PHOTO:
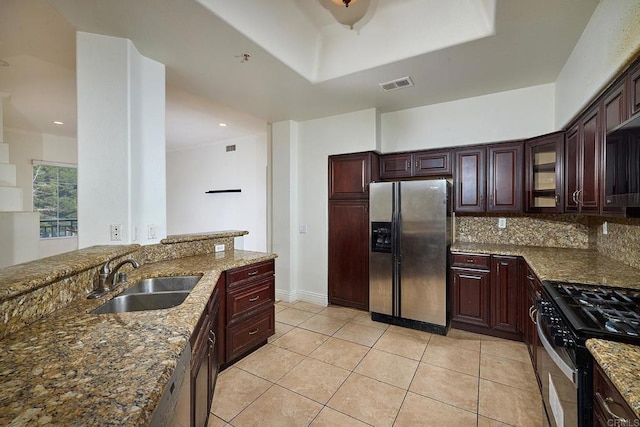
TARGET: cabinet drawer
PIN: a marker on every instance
(241, 274)
(471, 261)
(245, 335)
(607, 400)
(243, 300)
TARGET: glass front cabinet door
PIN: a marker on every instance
(543, 183)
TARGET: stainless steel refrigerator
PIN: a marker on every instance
(410, 236)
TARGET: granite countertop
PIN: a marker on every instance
(621, 363)
(564, 264)
(77, 368)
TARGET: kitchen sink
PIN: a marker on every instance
(163, 284)
(142, 302)
(154, 293)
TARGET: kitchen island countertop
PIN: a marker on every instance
(77, 368)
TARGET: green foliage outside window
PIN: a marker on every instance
(55, 197)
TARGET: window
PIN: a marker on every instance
(55, 197)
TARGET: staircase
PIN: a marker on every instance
(19, 230)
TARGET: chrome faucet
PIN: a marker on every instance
(108, 279)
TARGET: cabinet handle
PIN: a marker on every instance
(471, 261)
(408, 165)
(481, 200)
(605, 404)
(254, 299)
(530, 277)
(573, 197)
(532, 311)
(255, 331)
(253, 273)
(557, 200)
(578, 200)
(491, 199)
(417, 164)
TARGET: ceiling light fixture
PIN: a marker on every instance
(348, 12)
(58, 122)
(222, 125)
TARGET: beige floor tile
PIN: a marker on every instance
(466, 335)
(404, 345)
(279, 407)
(307, 306)
(340, 353)
(281, 329)
(389, 368)
(301, 341)
(359, 334)
(509, 349)
(452, 357)
(279, 307)
(292, 316)
(314, 379)
(344, 313)
(421, 411)
(457, 341)
(284, 303)
(445, 385)
(323, 324)
(411, 332)
(488, 422)
(235, 390)
(368, 400)
(364, 318)
(270, 362)
(331, 418)
(508, 372)
(510, 405)
(214, 422)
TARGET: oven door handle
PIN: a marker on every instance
(567, 370)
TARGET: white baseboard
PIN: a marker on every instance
(312, 297)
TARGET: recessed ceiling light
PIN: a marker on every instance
(58, 122)
(222, 125)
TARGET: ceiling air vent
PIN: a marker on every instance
(231, 147)
(396, 84)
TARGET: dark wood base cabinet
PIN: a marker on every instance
(484, 294)
(609, 407)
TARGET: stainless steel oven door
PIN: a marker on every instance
(559, 378)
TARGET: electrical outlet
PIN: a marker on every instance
(302, 228)
(151, 231)
(115, 232)
(219, 248)
(605, 228)
(502, 222)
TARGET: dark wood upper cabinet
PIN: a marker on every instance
(470, 179)
(633, 89)
(432, 163)
(582, 164)
(395, 166)
(544, 178)
(504, 180)
(614, 110)
(350, 175)
(416, 164)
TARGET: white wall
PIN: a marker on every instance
(515, 114)
(120, 141)
(314, 142)
(610, 40)
(192, 172)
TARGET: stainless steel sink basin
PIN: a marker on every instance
(142, 302)
(163, 284)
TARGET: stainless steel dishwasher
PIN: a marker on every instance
(174, 407)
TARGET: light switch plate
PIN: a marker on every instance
(219, 248)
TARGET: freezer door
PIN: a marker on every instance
(423, 251)
(380, 261)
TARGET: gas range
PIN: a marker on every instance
(568, 315)
(595, 311)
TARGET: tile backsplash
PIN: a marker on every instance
(622, 241)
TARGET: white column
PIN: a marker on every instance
(121, 144)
